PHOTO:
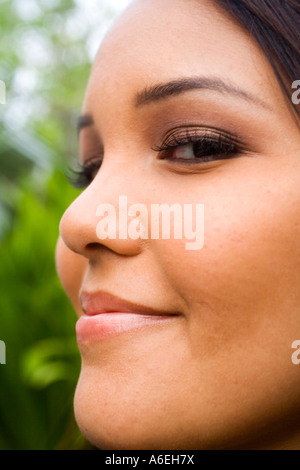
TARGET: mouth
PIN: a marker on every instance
(106, 316)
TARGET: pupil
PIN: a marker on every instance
(206, 149)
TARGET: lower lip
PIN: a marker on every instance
(107, 325)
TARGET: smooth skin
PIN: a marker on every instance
(219, 374)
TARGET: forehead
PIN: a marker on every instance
(156, 41)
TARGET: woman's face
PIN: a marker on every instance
(206, 362)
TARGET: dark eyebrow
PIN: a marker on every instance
(85, 120)
(176, 87)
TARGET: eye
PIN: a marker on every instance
(82, 177)
(195, 146)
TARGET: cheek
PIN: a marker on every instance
(247, 274)
(71, 269)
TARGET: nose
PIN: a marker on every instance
(91, 223)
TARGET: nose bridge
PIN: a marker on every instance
(94, 218)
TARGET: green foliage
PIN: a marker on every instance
(45, 63)
(37, 325)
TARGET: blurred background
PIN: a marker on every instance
(46, 51)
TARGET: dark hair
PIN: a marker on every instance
(275, 25)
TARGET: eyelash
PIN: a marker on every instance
(83, 176)
(214, 145)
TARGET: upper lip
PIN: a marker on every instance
(96, 303)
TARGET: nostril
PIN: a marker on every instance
(93, 246)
